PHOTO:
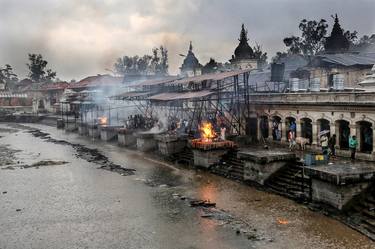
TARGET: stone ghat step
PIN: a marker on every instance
(285, 187)
(290, 193)
(185, 156)
(289, 181)
(364, 208)
(295, 177)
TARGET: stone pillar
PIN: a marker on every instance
(353, 132)
(315, 132)
(270, 128)
(298, 128)
(373, 140)
(283, 132)
(259, 132)
(358, 135)
(337, 132)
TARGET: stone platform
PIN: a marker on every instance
(207, 158)
(82, 129)
(70, 125)
(93, 130)
(260, 164)
(170, 144)
(109, 132)
(60, 123)
(146, 141)
(126, 137)
(340, 182)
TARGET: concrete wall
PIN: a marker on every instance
(259, 173)
(355, 108)
(352, 75)
(334, 195)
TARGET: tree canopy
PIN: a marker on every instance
(37, 69)
(260, 56)
(313, 37)
(155, 64)
(8, 77)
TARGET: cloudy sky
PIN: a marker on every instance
(83, 37)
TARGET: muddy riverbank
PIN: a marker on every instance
(77, 205)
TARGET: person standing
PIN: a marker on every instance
(332, 145)
(324, 144)
(291, 140)
(353, 143)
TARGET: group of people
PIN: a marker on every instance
(138, 121)
(329, 145)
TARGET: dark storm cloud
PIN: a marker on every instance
(83, 37)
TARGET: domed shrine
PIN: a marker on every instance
(244, 56)
(191, 66)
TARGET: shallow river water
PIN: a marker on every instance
(78, 205)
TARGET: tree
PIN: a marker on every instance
(163, 61)
(312, 38)
(37, 68)
(8, 77)
(156, 64)
(211, 67)
(260, 56)
(366, 43)
(279, 56)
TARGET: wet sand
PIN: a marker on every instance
(77, 205)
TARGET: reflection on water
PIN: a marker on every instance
(78, 206)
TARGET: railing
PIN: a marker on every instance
(367, 98)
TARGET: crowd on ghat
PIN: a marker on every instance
(173, 125)
(138, 121)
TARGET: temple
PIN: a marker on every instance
(191, 66)
(244, 57)
(337, 42)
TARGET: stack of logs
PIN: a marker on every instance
(211, 145)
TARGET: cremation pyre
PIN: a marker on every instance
(209, 139)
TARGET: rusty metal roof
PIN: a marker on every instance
(169, 96)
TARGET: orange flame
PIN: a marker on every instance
(282, 221)
(207, 132)
(103, 120)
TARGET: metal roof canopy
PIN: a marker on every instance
(129, 95)
(214, 76)
(153, 82)
(349, 59)
(170, 96)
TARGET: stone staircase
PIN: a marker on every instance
(184, 157)
(362, 213)
(230, 166)
(291, 182)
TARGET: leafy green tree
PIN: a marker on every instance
(260, 56)
(157, 63)
(365, 43)
(311, 40)
(37, 69)
(8, 77)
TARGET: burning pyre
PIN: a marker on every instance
(209, 140)
(103, 120)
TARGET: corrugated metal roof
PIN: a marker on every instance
(348, 59)
(97, 81)
(214, 76)
(129, 95)
(152, 82)
(180, 95)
